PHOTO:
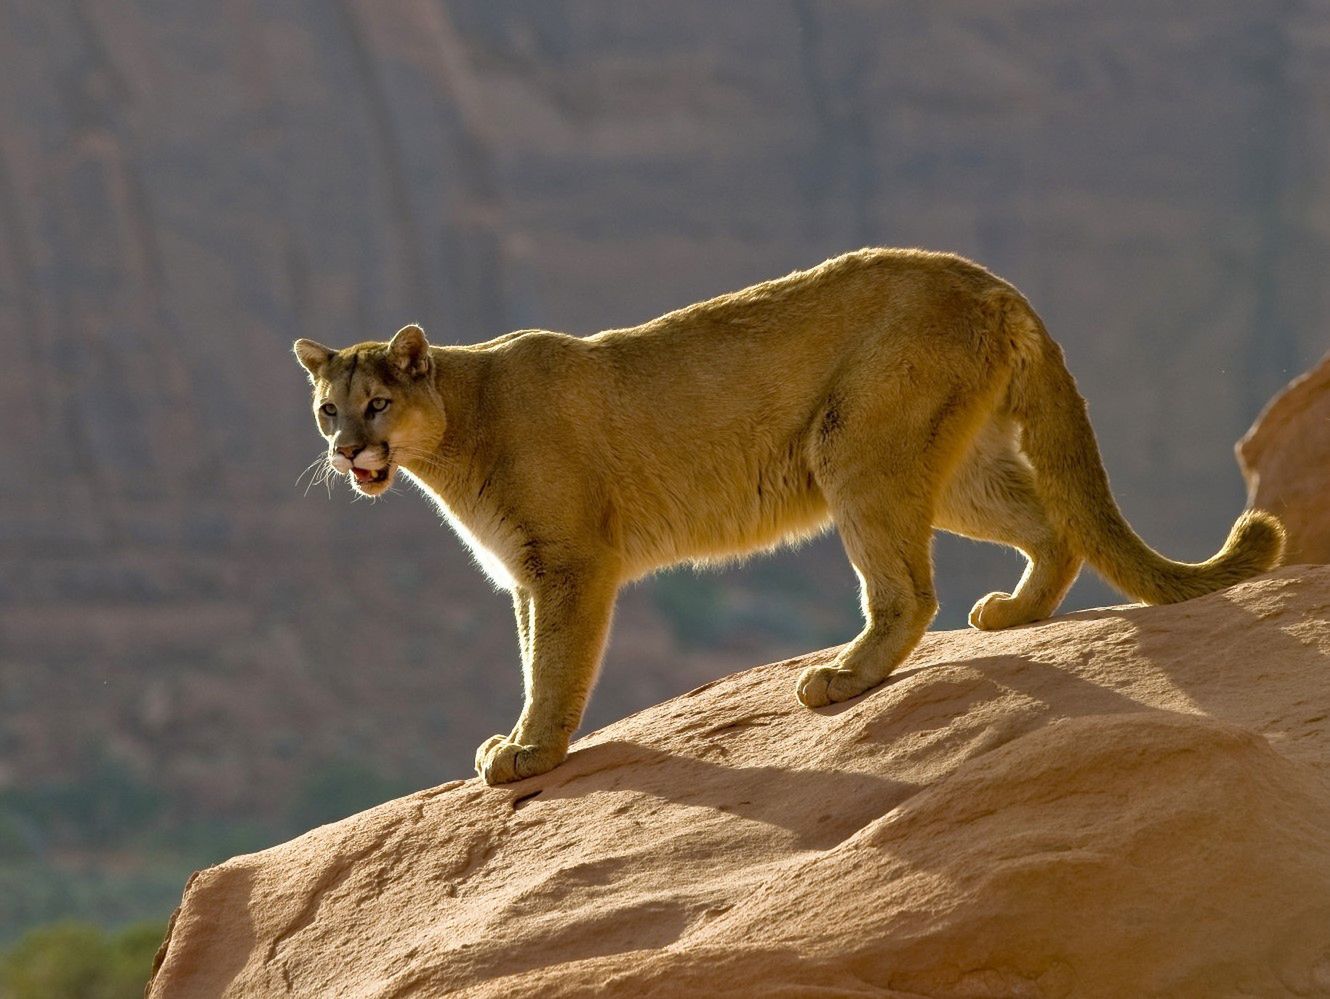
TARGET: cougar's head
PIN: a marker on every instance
(376, 405)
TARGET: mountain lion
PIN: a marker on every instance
(886, 392)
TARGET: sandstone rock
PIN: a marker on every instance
(1285, 458)
(1120, 802)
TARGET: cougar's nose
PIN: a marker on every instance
(349, 451)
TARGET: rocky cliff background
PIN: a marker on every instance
(185, 667)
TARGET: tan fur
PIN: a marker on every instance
(885, 391)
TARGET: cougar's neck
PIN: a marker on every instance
(456, 465)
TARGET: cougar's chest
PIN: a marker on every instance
(484, 536)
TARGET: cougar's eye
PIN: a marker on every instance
(328, 409)
(378, 404)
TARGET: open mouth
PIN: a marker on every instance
(368, 477)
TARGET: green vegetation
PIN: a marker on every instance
(104, 804)
(340, 788)
(105, 847)
(694, 606)
(72, 960)
(102, 845)
(110, 892)
(773, 598)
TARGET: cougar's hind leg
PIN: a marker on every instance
(878, 468)
(992, 497)
(888, 540)
(880, 452)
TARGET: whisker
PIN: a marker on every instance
(327, 479)
(315, 478)
(321, 473)
(311, 467)
(321, 478)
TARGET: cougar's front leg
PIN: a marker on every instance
(563, 619)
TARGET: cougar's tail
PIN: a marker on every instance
(1057, 438)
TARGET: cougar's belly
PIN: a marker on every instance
(716, 512)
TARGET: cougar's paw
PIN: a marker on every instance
(823, 685)
(483, 749)
(998, 610)
(499, 760)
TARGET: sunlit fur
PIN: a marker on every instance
(886, 391)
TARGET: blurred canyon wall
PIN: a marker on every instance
(186, 187)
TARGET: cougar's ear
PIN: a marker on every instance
(313, 356)
(409, 350)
